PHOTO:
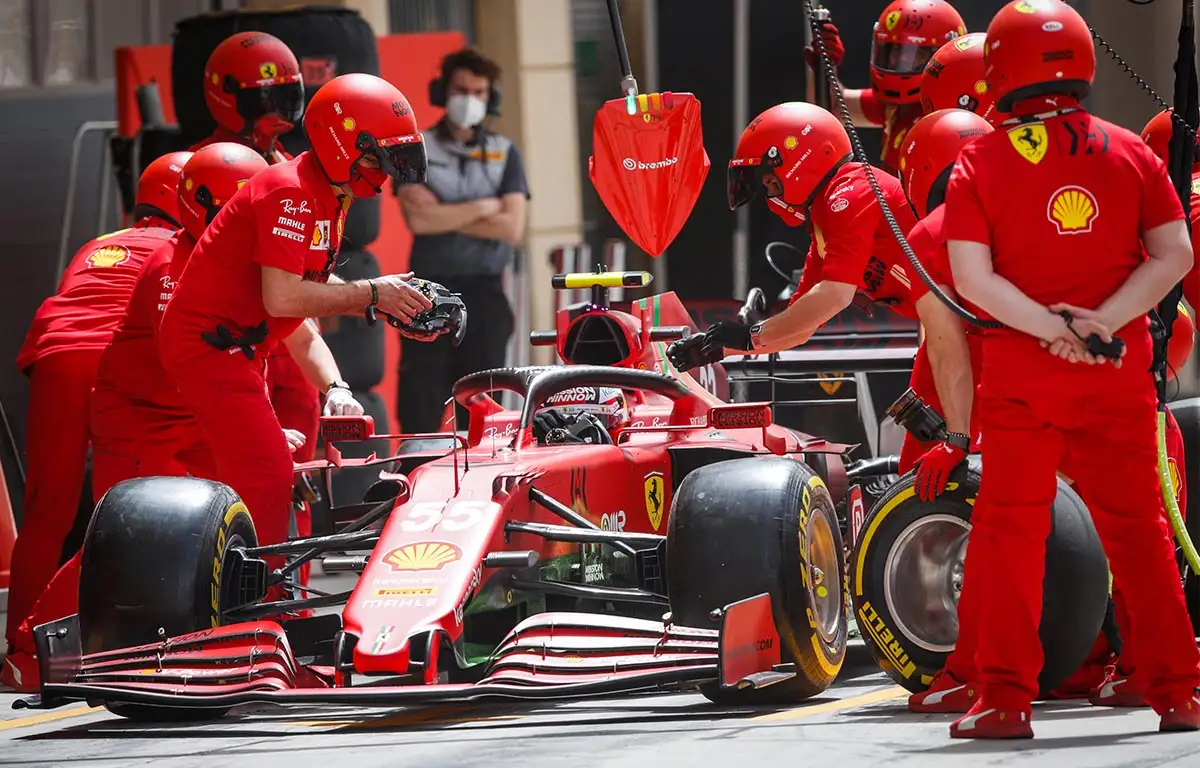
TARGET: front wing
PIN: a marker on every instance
(548, 656)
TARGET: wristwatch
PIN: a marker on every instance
(959, 440)
(756, 335)
(339, 384)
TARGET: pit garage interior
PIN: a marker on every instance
(62, 102)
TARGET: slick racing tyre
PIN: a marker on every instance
(743, 527)
(155, 555)
(906, 576)
(1187, 413)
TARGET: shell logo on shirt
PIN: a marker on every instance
(320, 235)
(1176, 484)
(1073, 209)
(108, 256)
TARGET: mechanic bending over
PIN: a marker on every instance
(254, 91)
(467, 216)
(798, 156)
(1092, 203)
(264, 265)
(60, 355)
(139, 426)
(905, 37)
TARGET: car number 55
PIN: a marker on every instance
(426, 515)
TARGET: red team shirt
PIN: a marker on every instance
(286, 217)
(130, 367)
(1088, 189)
(896, 119)
(853, 243)
(1191, 283)
(93, 293)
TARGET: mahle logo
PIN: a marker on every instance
(633, 165)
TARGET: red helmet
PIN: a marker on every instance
(930, 148)
(357, 116)
(252, 86)
(158, 187)
(1183, 340)
(1036, 48)
(953, 78)
(213, 175)
(907, 35)
(788, 152)
(1157, 135)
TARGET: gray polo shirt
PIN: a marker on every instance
(459, 173)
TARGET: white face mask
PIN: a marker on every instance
(466, 111)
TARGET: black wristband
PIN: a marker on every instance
(959, 440)
(374, 293)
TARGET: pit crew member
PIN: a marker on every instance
(254, 91)
(264, 265)
(60, 355)
(798, 156)
(954, 79)
(1157, 135)
(139, 427)
(904, 39)
(1091, 194)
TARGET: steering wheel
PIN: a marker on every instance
(777, 244)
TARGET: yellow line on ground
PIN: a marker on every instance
(875, 697)
(47, 717)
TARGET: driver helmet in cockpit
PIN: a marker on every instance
(581, 415)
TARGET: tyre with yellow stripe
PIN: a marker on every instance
(906, 576)
(155, 555)
(743, 527)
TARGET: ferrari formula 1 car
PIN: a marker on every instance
(698, 545)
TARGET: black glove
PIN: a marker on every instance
(547, 421)
(709, 347)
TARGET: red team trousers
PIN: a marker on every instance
(57, 447)
(1080, 418)
(227, 392)
(297, 405)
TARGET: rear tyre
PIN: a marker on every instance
(742, 527)
(906, 576)
(155, 557)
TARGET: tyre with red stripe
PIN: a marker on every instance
(906, 575)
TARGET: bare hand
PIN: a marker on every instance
(489, 206)
(1084, 323)
(398, 298)
(295, 439)
(419, 194)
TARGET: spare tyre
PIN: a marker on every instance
(328, 41)
(906, 575)
(742, 527)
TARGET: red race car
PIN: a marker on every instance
(693, 542)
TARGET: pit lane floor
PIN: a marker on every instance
(861, 721)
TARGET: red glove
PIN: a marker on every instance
(934, 468)
(833, 46)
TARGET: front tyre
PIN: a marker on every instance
(742, 527)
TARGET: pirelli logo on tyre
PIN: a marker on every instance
(889, 647)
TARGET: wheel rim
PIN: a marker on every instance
(825, 594)
(923, 578)
(228, 588)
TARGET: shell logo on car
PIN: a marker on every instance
(422, 556)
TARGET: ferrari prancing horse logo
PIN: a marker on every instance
(1030, 141)
(654, 498)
